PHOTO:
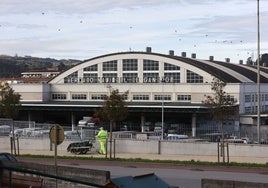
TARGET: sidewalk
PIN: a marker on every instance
(260, 160)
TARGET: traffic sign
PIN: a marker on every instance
(56, 134)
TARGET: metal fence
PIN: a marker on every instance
(207, 130)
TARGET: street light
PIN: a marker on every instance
(258, 74)
(162, 130)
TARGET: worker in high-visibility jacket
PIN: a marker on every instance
(102, 137)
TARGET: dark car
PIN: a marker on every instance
(7, 157)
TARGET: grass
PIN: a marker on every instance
(140, 160)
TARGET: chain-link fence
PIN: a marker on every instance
(204, 130)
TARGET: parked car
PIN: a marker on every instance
(176, 136)
(7, 157)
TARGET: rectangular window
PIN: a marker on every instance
(79, 96)
(110, 78)
(58, 96)
(141, 97)
(247, 98)
(151, 78)
(109, 66)
(266, 97)
(171, 77)
(184, 97)
(162, 97)
(130, 64)
(150, 65)
(248, 110)
(90, 78)
(130, 78)
(98, 97)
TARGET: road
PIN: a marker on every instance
(182, 176)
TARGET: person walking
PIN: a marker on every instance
(102, 137)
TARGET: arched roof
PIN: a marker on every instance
(225, 71)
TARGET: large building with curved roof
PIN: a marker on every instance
(156, 83)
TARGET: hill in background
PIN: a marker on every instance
(13, 66)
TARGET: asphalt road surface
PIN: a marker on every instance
(182, 176)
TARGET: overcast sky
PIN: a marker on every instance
(83, 29)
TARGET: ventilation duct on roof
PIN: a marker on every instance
(211, 58)
(193, 55)
(171, 52)
(227, 60)
(240, 62)
(183, 54)
(148, 49)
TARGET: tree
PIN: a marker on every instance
(9, 106)
(114, 109)
(9, 101)
(221, 106)
(264, 60)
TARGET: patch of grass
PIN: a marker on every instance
(157, 161)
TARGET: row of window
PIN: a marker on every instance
(150, 75)
(254, 98)
(62, 96)
(254, 109)
(131, 65)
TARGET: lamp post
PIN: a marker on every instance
(258, 74)
(162, 129)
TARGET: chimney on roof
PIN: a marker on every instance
(227, 60)
(240, 62)
(193, 55)
(171, 52)
(183, 54)
(148, 49)
(211, 58)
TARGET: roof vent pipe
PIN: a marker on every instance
(240, 62)
(183, 54)
(211, 58)
(171, 52)
(148, 49)
(227, 60)
(193, 55)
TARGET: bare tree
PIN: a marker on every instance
(221, 106)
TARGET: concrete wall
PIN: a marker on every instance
(91, 176)
(152, 147)
(212, 183)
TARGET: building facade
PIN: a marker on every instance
(160, 87)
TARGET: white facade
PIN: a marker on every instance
(150, 79)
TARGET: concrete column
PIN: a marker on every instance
(193, 125)
(73, 121)
(29, 118)
(142, 122)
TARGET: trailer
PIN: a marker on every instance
(80, 147)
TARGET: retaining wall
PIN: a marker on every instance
(151, 147)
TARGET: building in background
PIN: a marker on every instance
(156, 83)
